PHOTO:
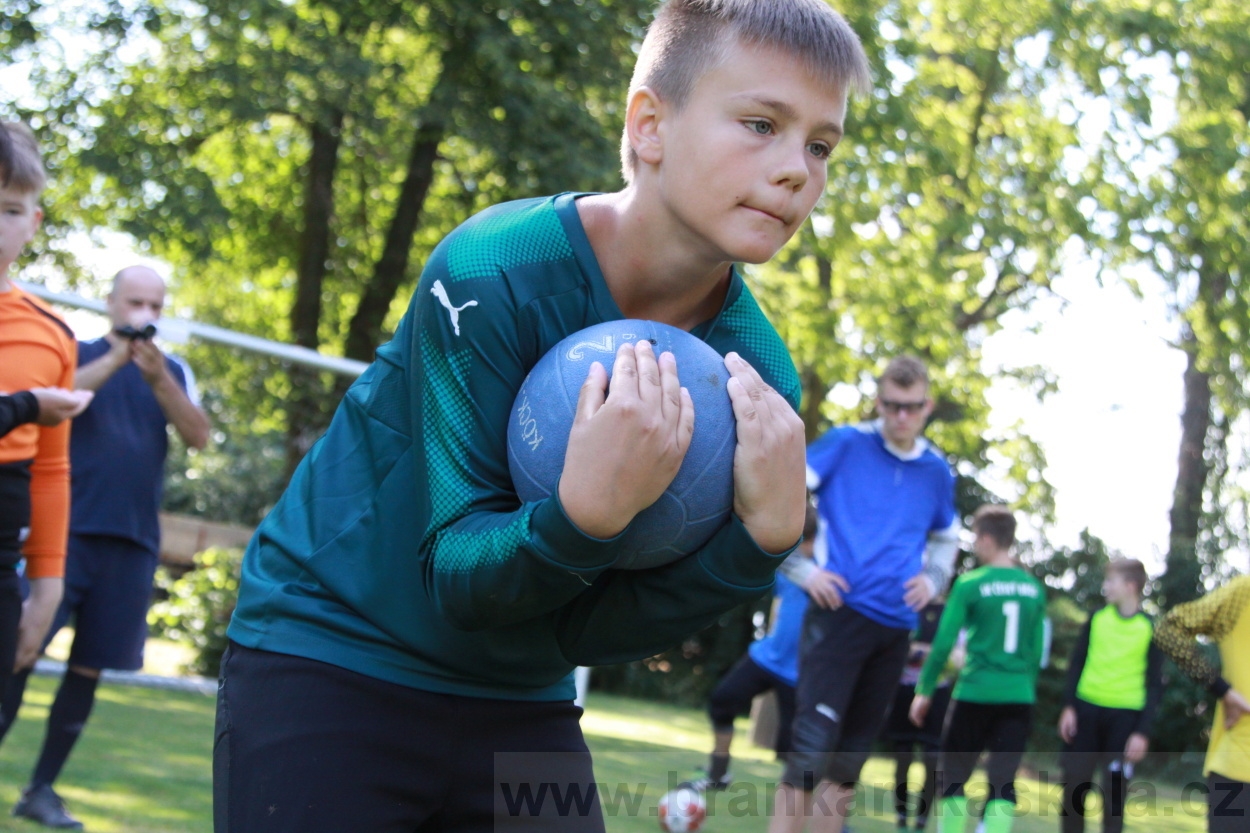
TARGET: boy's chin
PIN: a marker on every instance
(756, 255)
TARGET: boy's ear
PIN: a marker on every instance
(642, 125)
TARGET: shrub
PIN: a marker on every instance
(199, 605)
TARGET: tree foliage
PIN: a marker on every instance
(291, 159)
(1177, 201)
(954, 200)
(297, 160)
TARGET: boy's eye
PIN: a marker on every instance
(760, 126)
(820, 150)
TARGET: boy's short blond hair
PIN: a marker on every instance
(1131, 570)
(689, 37)
(21, 167)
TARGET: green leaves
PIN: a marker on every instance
(953, 201)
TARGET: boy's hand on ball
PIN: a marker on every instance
(627, 443)
(770, 462)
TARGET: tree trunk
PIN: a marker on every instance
(365, 329)
(1182, 580)
(305, 410)
(815, 389)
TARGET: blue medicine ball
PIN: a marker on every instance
(699, 499)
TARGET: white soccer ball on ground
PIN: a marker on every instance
(682, 810)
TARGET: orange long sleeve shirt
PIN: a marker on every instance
(37, 349)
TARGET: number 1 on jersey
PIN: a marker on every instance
(1011, 634)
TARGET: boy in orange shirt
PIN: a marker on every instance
(37, 350)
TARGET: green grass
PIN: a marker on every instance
(144, 766)
(647, 747)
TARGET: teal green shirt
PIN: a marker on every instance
(1003, 610)
(400, 549)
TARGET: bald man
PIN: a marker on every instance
(117, 459)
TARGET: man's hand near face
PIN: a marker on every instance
(150, 361)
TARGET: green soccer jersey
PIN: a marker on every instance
(1003, 610)
(400, 549)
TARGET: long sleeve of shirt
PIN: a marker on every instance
(954, 615)
(17, 409)
(49, 501)
(940, 553)
(1213, 616)
(492, 563)
(1154, 691)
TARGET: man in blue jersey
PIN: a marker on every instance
(117, 451)
(403, 646)
(886, 540)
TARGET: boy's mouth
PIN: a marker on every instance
(768, 214)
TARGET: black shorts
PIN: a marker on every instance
(1101, 735)
(306, 747)
(10, 619)
(1002, 729)
(736, 690)
(14, 510)
(108, 590)
(849, 667)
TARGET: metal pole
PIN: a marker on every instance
(178, 329)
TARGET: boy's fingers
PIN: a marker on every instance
(670, 388)
(649, 385)
(752, 383)
(624, 373)
(685, 420)
(745, 414)
(593, 392)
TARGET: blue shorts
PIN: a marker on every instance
(108, 588)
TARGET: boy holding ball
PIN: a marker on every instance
(406, 631)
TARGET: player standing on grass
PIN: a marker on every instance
(904, 737)
(1115, 683)
(406, 631)
(118, 453)
(37, 350)
(1003, 609)
(1224, 616)
(886, 540)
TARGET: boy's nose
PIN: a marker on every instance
(792, 168)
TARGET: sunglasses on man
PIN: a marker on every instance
(894, 407)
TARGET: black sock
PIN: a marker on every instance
(720, 766)
(66, 720)
(11, 702)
